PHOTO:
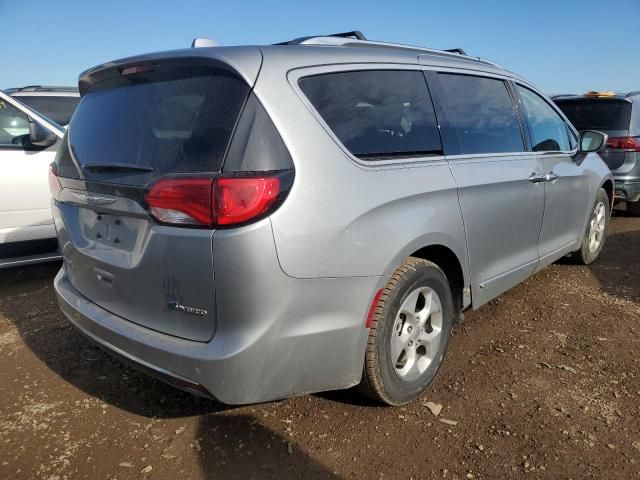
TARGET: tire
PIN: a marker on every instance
(633, 209)
(593, 240)
(396, 381)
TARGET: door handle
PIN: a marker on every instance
(537, 178)
(551, 177)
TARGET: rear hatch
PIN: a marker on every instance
(609, 115)
(136, 125)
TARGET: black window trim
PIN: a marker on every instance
(555, 109)
(430, 72)
(297, 74)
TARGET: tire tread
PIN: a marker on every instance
(371, 383)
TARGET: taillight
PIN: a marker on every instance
(182, 201)
(207, 202)
(54, 184)
(630, 144)
(238, 200)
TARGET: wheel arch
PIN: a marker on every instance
(608, 187)
(448, 261)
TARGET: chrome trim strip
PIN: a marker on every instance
(487, 283)
(29, 260)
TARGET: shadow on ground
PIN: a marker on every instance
(27, 299)
(618, 268)
(232, 444)
(238, 446)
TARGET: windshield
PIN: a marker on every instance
(597, 114)
(58, 109)
(167, 121)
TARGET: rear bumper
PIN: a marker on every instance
(277, 336)
(627, 190)
(108, 331)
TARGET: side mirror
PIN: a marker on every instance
(39, 136)
(592, 141)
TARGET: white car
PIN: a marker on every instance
(28, 144)
(56, 103)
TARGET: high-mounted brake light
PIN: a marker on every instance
(629, 144)
(144, 67)
(54, 183)
(212, 202)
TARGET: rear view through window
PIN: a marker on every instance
(59, 109)
(597, 114)
(377, 113)
(165, 121)
(482, 114)
(549, 131)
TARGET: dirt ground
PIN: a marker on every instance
(543, 382)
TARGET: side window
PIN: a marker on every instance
(14, 126)
(481, 112)
(377, 113)
(549, 131)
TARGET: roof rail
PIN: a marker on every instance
(459, 51)
(632, 94)
(356, 38)
(44, 88)
(562, 95)
(355, 34)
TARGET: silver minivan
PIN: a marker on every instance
(251, 223)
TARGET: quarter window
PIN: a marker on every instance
(548, 130)
(481, 112)
(377, 114)
(14, 126)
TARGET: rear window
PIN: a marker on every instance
(58, 109)
(597, 114)
(166, 121)
(377, 114)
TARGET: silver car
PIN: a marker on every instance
(251, 223)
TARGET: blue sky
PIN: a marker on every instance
(562, 46)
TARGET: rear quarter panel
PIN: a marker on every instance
(344, 217)
(597, 171)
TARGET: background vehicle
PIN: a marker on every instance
(28, 144)
(56, 103)
(618, 115)
(251, 223)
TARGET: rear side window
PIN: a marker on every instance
(597, 114)
(481, 112)
(377, 114)
(162, 122)
(59, 108)
(548, 129)
(256, 145)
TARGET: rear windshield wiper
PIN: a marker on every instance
(109, 167)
